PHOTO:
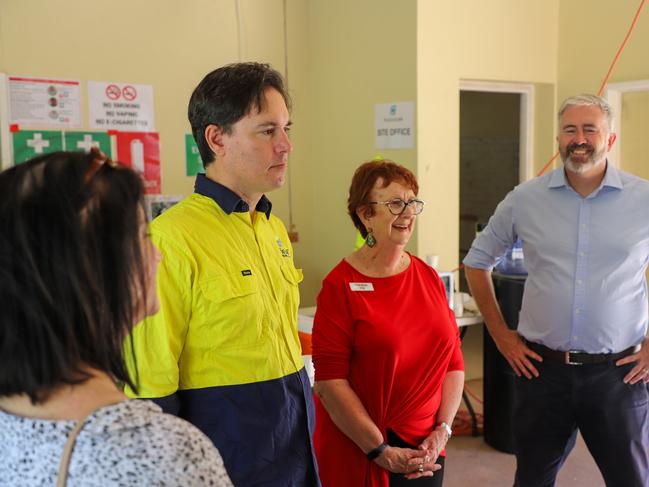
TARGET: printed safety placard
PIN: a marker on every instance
(193, 162)
(32, 143)
(120, 106)
(84, 141)
(141, 151)
(44, 102)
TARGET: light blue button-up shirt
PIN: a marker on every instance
(586, 259)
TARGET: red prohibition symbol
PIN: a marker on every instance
(113, 92)
(129, 93)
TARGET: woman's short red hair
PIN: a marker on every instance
(364, 180)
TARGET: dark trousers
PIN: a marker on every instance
(613, 418)
(399, 480)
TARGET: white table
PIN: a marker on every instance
(469, 318)
(305, 319)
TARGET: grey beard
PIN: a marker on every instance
(576, 168)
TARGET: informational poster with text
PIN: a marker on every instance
(141, 151)
(44, 102)
(120, 106)
(394, 125)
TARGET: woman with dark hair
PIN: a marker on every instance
(386, 348)
(77, 271)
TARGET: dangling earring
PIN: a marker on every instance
(370, 241)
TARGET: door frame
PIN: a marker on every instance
(613, 95)
(526, 137)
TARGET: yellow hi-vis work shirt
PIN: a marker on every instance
(229, 295)
(223, 352)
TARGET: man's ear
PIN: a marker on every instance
(214, 136)
(612, 137)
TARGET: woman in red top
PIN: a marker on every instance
(386, 348)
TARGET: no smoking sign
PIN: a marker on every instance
(129, 93)
(113, 92)
(120, 106)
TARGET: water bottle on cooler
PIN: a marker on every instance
(513, 263)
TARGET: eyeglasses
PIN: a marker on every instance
(397, 206)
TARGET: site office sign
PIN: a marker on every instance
(120, 106)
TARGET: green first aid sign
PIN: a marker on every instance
(193, 162)
(32, 143)
(84, 141)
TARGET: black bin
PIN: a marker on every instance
(498, 375)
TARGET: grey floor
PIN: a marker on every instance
(470, 462)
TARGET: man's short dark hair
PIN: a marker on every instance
(228, 94)
(70, 259)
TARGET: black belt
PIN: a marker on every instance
(575, 357)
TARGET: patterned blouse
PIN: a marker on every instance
(131, 443)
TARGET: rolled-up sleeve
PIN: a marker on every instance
(490, 246)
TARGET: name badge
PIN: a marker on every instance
(361, 286)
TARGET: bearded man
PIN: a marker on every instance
(580, 353)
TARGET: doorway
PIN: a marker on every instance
(495, 148)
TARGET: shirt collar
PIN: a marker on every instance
(228, 200)
(611, 178)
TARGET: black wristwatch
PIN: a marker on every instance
(372, 454)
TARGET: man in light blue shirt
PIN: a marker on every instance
(580, 352)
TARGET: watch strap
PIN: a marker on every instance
(372, 454)
(446, 427)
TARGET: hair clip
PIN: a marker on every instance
(99, 159)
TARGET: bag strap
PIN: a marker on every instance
(69, 446)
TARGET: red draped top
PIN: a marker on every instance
(394, 339)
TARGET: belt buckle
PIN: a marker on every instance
(568, 360)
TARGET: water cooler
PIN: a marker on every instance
(498, 375)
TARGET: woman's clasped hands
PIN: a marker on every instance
(412, 463)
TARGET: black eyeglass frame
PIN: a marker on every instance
(417, 204)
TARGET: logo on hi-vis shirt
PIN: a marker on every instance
(285, 252)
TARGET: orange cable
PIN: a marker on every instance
(622, 46)
(601, 89)
(545, 168)
(472, 394)
(609, 73)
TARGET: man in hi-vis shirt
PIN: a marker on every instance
(224, 352)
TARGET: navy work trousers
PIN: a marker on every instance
(612, 417)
